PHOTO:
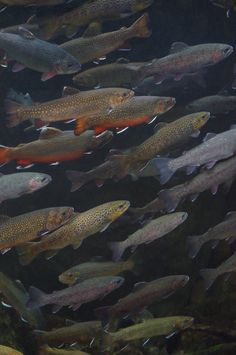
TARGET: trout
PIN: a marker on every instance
(5, 350)
(46, 350)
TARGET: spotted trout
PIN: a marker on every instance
(32, 2)
(46, 350)
(6, 350)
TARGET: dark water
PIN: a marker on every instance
(190, 21)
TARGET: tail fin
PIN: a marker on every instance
(165, 172)
(209, 276)
(108, 340)
(103, 313)
(4, 152)
(140, 27)
(26, 253)
(169, 199)
(117, 249)
(194, 245)
(49, 26)
(133, 264)
(36, 298)
(77, 179)
(11, 108)
(121, 165)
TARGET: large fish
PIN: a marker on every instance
(215, 104)
(73, 105)
(81, 226)
(6, 350)
(214, 147)
(32, 2)
(140, 109)
(18, 184)
(86, 49)
(28, 226)
(16, 296)
(184, 59)
(155, 229)
(53, 146)
(98, 10)
(142, 296)
(225, 230)
(75, 296)
(210, 275)
(46, 350)
(36, 54)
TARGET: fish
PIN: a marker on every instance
(229, 5)
(140, 109)
(210, 275)
(91, 269)
(155, 229)
(215, 147)
(184, 59)
(81, 332)
(73, 105)
(53, 146)
(222, 173)
(6, 350)
(148, 329)
(143, 295)
(215, 104)
(81, 226)
(225, 230)
(75, 296)
(16, 296)
(31, 225)
(98, 10)
(122, 73)
(34, 53)
(152, 207)
(32, 2)
(19, 184)
(87, 49)
(46, 350)
(164, 138)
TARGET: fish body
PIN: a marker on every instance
(53, 146)
(6, 350)
(225, 4)
(210, 275)
(138, 110)
(32, 2)
(82, 332)
(152, 207)
(215, 104)
(86, 49)
(81, 226)
(16, 295)
(155, 229)
(143, 295)
(28, 226)
(18, 184)
(75, 296)
(184, 59)
(215, 147)
(46, 350)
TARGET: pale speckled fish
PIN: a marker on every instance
(6, 350)
(225, 230)
(155, 229)
(16, 296)
(18, 184)
(75, 296)
(46, 350)
(81, 226)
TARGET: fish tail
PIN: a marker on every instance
(80, 126)
(103, 313)
(140, 27)
(117, 249)
(4, 154)
(39, 334)
(49, 26)
(26, 253)
(162, 164)
(209, 276)
(169, 199)
(77, 179)
(194, 243)
(134, 264)
(108, 340)
(13, 118)
(121, 165)
(36, 298)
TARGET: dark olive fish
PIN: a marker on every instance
(215, 104)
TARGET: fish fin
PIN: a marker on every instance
(20, 286)
(17, 67)
(159, 126)
(49, 132)
(32, 20)
(209, 276)
(139, 286)
(121, 162)
(47, 76)
(194, 243)
(208, 136)
(36, 298)
(117, 249)
(4, 218)
(170, 202)
(103, 313)
(23, 32)
(76, 244)
(108, 341)
(99, 130)
(99, 182)
(80, 126)
(178, 47)
(195, 134)
(94, 29)
(76, 306)
(71, 30)
(4, 152)
(165, 172)
(49, 254)
(56, 308)
(4, 251)
(11, 108)
(190, 169)
(230, 214)
(69, 90)
(140, 27)
(25, 252)
(77, 179)
(122, 60)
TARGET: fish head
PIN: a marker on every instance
(116, 209)
(38, 181)
(140, 5)
(179, 281)
(199, 119)
(180, 217)
(181, 323)
(119, 96)
(85, 79)
(67, 65)
(58, 216)
(219, 52)
(164, 104)
(111, 282)
(68, 277)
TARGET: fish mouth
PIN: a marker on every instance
(227, 51)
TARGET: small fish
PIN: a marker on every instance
(36, 54)
(92, 269)
(215, 147)
(225, 230)
(73, 105)
(210, 275)
(16, 296)
(141, 109)
(18, 184)
(142, 296)
(46, 350)
(32, 2)
(28, 226)
(152, 207)
(215, 104)
(87, 49)
(81, 226)
(155, 229)
(75, 296)
(98, 10)
(53, 146)
(184, 59)
(82, 332)
(5, 350)
(145, 330)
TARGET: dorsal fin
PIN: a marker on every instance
(139, 286)
(20, 285)
(208, 136)
(23, 32)
(4, 218)
(49, 132)
(94, 29)
(178, 47)
(68, 90)
(32, 20)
